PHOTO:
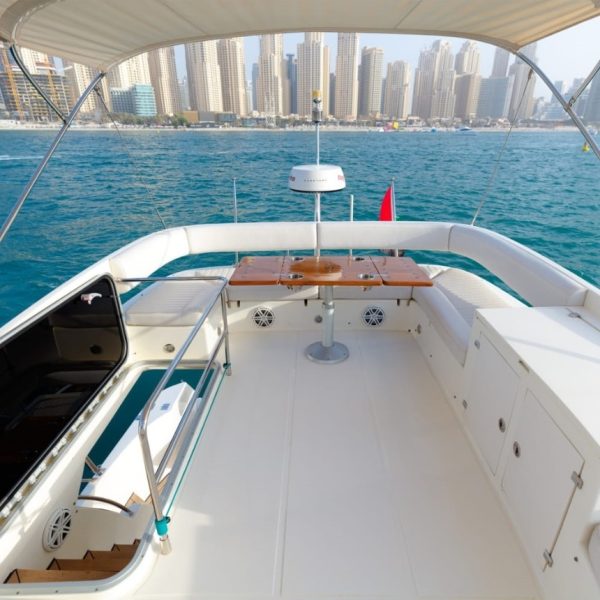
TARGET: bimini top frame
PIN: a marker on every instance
(66, 124)
(500, 22)
(85, 32)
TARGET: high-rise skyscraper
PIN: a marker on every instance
(291, 70)
(433, 95)
(425, 75)
(467, 81)
(346, 77)
(233, 75)
(494, 97)
(395, 101)
(204, 77)
(20, 98)
(312, 73)
(249, 97)
(467, 59)
(37, 63)
(184, 93)
(500, 67)
(163, 76)
(269, 95)
(369, 87)
(521, 102)
(129, 72)
(467, 88)
(254, 86)
(78, 78)
(591, 111)
(444, 97)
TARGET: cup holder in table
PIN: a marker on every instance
(359, 258)
(366, 276)
(295, 276)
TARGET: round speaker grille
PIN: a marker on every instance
(263, 317)
(57, 528)
(373, 316)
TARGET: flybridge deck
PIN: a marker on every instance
(443, 458)
(348, 480)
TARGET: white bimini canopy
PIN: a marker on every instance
(102, 33)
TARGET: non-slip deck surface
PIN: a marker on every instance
(337, 481)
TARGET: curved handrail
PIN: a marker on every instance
(106, 501)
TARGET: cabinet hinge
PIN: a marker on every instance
(548, 558)
(576, 479)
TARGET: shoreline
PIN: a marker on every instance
(12, 126)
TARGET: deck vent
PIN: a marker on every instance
(373, 316)
(57, 528)
(263, 317)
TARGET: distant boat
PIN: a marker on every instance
(465, 129)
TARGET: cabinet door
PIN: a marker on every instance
(538, 478)
(490, 401)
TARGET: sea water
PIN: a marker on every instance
(104, 189)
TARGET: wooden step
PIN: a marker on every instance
(117, 550)
(41, 576)
(126, 547)
(113, 563)
(96, 564)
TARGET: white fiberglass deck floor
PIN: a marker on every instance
(337, 481)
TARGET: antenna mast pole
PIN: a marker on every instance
(235, 214)
(317, 117)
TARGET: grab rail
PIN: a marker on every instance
(106, 501)
(160, 520)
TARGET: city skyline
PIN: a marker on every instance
(557, 53)
(448, 79)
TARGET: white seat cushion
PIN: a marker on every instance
(468, 292)
(181, 303)
(447, 321)
(170, 304)
(452, 301)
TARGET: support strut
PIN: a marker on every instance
(568, 106)
(59, 136)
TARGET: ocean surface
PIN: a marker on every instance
(103, 189)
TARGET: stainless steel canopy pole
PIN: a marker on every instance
(568, 106)
(67, 123)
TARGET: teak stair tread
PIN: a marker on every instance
(112, 563)
(45, 575)
(118, 550)
(96, 564)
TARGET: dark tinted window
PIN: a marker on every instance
(50, 371)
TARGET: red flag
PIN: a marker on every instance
(386, 211)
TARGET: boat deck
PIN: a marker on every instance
(337, 481)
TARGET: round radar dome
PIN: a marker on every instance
(317, 178)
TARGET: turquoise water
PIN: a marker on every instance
(102, 190)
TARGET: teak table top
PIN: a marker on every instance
(361, 271)
(257, 270)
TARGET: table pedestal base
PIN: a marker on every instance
(329, 355)
(327, 351)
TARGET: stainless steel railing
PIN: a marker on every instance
(178, 442)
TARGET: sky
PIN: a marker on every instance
(563, 56)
